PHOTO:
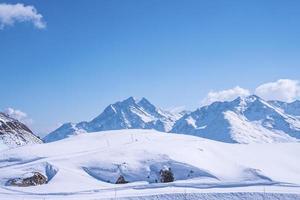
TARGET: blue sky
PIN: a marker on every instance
(93, 53)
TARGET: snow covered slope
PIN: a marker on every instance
(86, 166)
(14, 133)
(127, 114)
(244, 120)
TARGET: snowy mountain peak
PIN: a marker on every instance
(245, 101)
(144, 103)
(128, 101)
(14, 133)
(127, 114)
(252, 98)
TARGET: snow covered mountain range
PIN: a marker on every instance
(14, 133)
(243, 120)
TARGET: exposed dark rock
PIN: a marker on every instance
(121, 180)
(36, 179)
(166, 175)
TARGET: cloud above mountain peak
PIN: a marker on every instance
(283, 89)
(286, 90)
(19, 115)
(225, 95)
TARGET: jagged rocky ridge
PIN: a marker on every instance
(243, 120)
(13, 133)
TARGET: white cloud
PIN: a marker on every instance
(12, 13)
(19, 115)
(225, 95)
(283, 90)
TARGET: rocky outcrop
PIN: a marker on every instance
(166, 175)
(121, 180)
(36, 179)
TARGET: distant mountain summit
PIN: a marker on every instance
(127, 114)
(13, 133)
(244, 120)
